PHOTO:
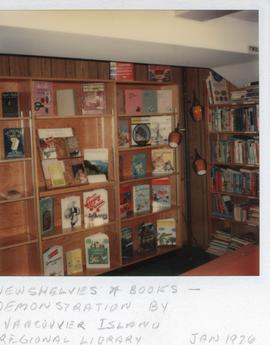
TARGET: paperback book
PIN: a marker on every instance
(10, 104)
(150, 101)
(126, 242)
(53, 261)
(162, 161)
(141, 198)
(217, 89)
(71, 213)
(46, 207)
(54, 173)
(161, 194)
(123, 133)
(95, 207)
(13, 143)
(74, 261)
(159, 73)
(126, 205)
(93, 98)
(43, 98)
(97, 251)
(96, 163)
(140, 131)
(66, 102)
(147, 237)
(76, 170)
(133, 101)
(164, 101)
(161, 127)
(121, 71)
(166, 232)
(139, 165)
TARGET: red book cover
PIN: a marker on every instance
(126, 205)
(159, 73)
(43, 98)
(121, 71)
(133, 101)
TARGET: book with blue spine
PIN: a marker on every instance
(13, 143)
(139, 165)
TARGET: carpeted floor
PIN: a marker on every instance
(171, 264)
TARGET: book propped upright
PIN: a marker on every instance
(43, 98)
(46, 206)
(10, 104)
(150, 101)
(162, 161)
(126, 242)
(166, 232)
(53, 261)
(66, 102)
(13, 143)
(96, 210)
(161, 194)
(71, 213)
(121, 71)
(141, 198)
(97, 251)
(164, 101)
(93, 98)
(74, 261)
(96, 163)
(159, 73)
(133, 101)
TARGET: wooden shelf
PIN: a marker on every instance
(146, 114)
(233, 221)
(146, 178)
(18, 118)
(17, 240)
(245, 196)
(232, 105)
(148, 147)
(73, 117)
(15, 160)
(236, 165)
(23, 197)
(233, 133)
(148, 214)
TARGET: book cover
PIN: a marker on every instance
(164, 101)
(54, 173)
(13, 143)
(139, 165)
(96, 163)
(159, 73)
(74, 261)
(123, 133)
(43, 98)
(10, 104)
(72, 147)
(162, 161)
(140, 131)
(121, 71)
(93, 98)
(133, 101)
(126, 242)
(78, 172)
(53, 262)
(97, 251)
(147, 237)
(71, 213)
(219, 88)
(47, 148)
(66, 102)
(161, 194)
(141, 198)
(150, 101)
(126, 205)
(95, 205)
(166, 232)
(161, 127)
(46, 209)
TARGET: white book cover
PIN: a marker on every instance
(55, 132)
(95, 205)
(161, 127)
(97, 251)
(162, 161)
(71, 213)
(141, 198)
(96, 163)
(66, 104)
(166, 232)
(53, 261)
(164, 101)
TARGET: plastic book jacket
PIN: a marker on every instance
(161, 194)
(43, 98)
(95, 207)
(162, 161)
(148, 237)
(71, 213)
(166, 232)
(74, 261)
(13, 143)
(53, 261)
(141, 198)
(97, 251)
(46, 206)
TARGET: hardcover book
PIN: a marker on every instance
(166, 232)
(53, 261)
(133, 101)
(126, 206)
(139, 165)
(43, 98)
(147, 237)
(121, 71)
(161, 127)
(93, 98)
(164, 101)
(150, 101)
(66, 102)
(126, 242)
(74, 261)
(141, 198)
(95, 208)
(162, 161)
(46, 207)
(71, 213)
(97, 251)
(123, 133)
(140, 131)
(54, 173)
(10, 104)
(159, 73)
(161, 194)
(96, 163)
(13, 143)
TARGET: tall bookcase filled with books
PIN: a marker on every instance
(233, 172)
(149, 172)
(19, 254)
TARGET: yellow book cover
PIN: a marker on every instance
(74, 261)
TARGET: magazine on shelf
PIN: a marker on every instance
(13, 143)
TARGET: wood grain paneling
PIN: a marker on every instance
(18, 66)
(4, 65)
(81, 69)
(70, 68)
(141, 72)
(40, 67)
(58, 68)
(93, 72)
(103, 70)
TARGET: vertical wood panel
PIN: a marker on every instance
(4, 65)
(93, 70)
(141, 72)
(18, 66)
(58, 68)
(81, 69)
(40, 67)
(103, 70)
(70, 68)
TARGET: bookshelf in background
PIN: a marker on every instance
(233, 168)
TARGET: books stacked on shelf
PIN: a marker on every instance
(43, 98)
(236, 150)
(71, 213)
(96, 162)
(161, 194)
(96, 210)
(222, 206)
(242, 181)
(53, 261)
(13, 143)
(97, 251)
(253, 217)
(10, 104)
(220, 243)
(162, 161)
(217, 89)
(166, 232)
(121, 71)
(238, 119)
(248, 94)
(93, 98)
(159, 73)
(126, 242)
(241, 240)
(74, 261)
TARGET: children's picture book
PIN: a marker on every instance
(217, 88)
(162, 161)
(71, 213)
(54, 173)
(140, 131)
(164, 101)
(126, 242)
(161, 194)
(133, 101)
(47, 148)
(150, 101)
(147, 237)
(141, 198)
(97, 251)
(166, 232)
(53, 261)
(139, 165)
(78, 170)
(13, 143)
(126, 202)
(96, 163)
(121, 71)
(123, 133)
(46, 208)
(74, 261)
(10, 104)
(160, 73)
(66, 102)
(161, 127)
(72, 147)
(93, 98)
(95, 205)
(43, 98)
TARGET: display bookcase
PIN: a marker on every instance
(22, 235)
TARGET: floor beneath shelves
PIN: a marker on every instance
(171, 264)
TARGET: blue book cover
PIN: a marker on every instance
(46, 215)
(141, 198)
(139, 165)
(13, 143)
(150, 101)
